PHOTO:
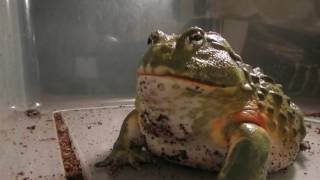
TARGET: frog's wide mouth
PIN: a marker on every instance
(215, 77)
(186, 79)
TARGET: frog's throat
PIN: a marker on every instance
(186, 79)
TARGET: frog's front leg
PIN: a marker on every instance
(129, 149)
(248, 153)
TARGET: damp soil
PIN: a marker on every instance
(71, 163)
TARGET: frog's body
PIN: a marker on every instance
(199, 105)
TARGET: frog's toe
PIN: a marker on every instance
(108, 161)
(134, 163)
(113, 162)
(135, 159)
(144, 157)
(118, 159)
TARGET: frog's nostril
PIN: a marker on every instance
(149, 41)
(153, 39)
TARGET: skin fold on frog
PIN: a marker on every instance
(199, 105)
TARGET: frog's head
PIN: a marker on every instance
(204, 57)
(190, 69)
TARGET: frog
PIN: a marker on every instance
(198, 104)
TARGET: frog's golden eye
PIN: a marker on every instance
(196, 38)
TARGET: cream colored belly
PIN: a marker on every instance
(166, 103)
(168, 113)
(194, 153)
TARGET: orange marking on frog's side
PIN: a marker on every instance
(252, 116)
(244, 116)
(217, 133)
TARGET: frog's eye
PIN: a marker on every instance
(196, 38)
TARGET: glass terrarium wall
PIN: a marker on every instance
(76, 48)
(93, 47)
(19, 69)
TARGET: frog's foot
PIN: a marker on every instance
(129, 148)
(123, 157)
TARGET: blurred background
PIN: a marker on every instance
(65, 49)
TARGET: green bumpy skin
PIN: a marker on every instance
(199, 105)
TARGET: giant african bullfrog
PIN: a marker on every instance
(199, 105)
